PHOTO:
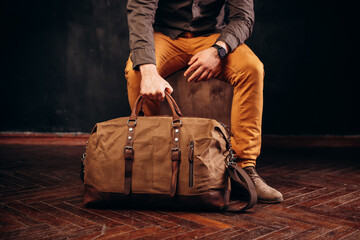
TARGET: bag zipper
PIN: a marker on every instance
(191, 164)
(83, 159)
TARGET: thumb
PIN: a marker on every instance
(168, 88)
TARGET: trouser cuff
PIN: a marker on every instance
(243, 163)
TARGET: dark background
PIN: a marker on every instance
(62, 65)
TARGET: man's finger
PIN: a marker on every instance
(149, 95)
(189, 70)
(160, 96)
(169, 89)
(203, 76)
(193, 65)
(144, 94)
(153, 96)
(193, 59)
(196, 74)
(211, 74)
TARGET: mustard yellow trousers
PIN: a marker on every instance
(241, 68)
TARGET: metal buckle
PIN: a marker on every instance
(131, 120)
(176, 121)
(176, 150)
(129, 148)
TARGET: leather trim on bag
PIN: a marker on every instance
(213, 199)
(129, 155)
(175, 157)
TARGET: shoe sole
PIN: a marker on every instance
(270, 201)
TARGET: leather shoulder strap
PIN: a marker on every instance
(240, 177)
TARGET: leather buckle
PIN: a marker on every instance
(135, 122)
(174, 157)
(177, 121)
(129, 155)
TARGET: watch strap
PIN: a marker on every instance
(219, 48)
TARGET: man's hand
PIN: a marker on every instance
(152, 85)
(204, 64)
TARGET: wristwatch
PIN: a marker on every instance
(221, 51)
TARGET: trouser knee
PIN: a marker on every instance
(251, 75)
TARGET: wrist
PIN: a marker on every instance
(147, 69)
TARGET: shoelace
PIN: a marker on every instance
(252, 173)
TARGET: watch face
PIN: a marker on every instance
(222, 52)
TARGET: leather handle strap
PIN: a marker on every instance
(173, 106)
(242, 178)
(176, 107)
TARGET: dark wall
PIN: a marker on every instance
(63, 65)
(310, 52)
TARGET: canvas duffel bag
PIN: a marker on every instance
(161, 161)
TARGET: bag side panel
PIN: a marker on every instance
(209, 170)
(104, 167)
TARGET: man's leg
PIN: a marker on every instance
(170, 57)
(245, 72)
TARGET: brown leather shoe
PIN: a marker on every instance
(266, 194)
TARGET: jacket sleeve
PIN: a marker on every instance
(241, 21)
(141, 17)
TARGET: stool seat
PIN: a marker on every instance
(208, 99)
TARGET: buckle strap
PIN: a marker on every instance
(129, 155)
(175, 157)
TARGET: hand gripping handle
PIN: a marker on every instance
(173, 106)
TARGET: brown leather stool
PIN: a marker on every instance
(209, 99)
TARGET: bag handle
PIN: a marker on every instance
(176, 107)
(170, 100)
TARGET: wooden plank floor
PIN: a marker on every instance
(41, 198)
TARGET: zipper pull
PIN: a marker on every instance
(191, 164)
(191, 151)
